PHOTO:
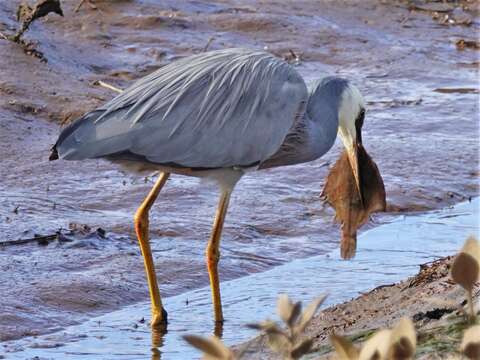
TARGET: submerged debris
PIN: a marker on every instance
(341, 193)
(457, 90)
(27, 15)
(431, 6)
(292, 57)
(75, 232)
(92, 5)
(463, 44)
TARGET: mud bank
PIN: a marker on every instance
(424, 141)
(429, 298)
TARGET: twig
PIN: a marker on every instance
(79, 5)
(107, 86)
(93, 6)
(208, 43)
(29, 240)
(3, 36)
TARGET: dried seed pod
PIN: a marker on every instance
(344, 348)
(377, 346)
(342, 194)
(465, 270)
(403, 340)
(471, 342)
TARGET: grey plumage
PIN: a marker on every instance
(226, 108)
(315, 131)
(214, 115)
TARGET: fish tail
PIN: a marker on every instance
(348, 245)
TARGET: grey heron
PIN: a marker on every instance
(216, 114)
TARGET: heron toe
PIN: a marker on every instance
(159, 319)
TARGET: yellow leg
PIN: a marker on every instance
(159, 315)
(213, 254)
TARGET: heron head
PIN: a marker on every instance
(351, 114)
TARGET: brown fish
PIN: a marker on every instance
(342, 193)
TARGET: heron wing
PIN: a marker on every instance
(218, 109)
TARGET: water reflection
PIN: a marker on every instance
(158, 335)
(218, 329)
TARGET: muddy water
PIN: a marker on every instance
(387, 254)
(423, 140)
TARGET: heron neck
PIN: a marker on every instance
(307, 141)
(315, 132)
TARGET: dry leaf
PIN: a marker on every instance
(284, 307)
(287, 342)
(309, 312)
(377, 346)
(267, 326)
(470, 346)
(344, 348)
(302, 349)
(278, 343)
(212, 347)
(296, 311)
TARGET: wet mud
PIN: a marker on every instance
(421, 129)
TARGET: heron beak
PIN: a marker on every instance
(354, 160)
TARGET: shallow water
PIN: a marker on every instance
(386, 254)
(422, 140)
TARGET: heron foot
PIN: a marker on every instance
(159, 320)
(218, 329)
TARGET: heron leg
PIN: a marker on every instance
(159, 315)
(213, 253)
